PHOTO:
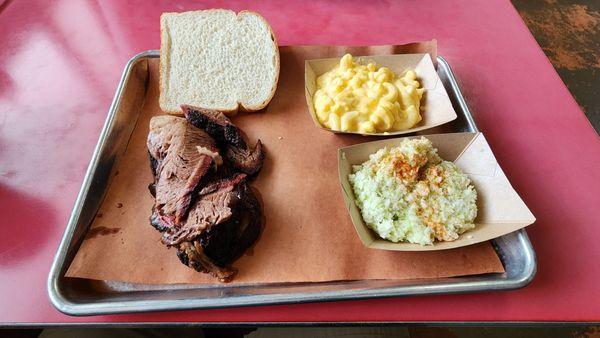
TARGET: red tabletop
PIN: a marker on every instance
(60, 62)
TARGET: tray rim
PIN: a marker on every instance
(65, 305)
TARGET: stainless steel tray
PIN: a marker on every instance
(85, 297)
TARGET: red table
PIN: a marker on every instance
(60, 62)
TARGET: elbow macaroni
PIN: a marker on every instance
(367, 99)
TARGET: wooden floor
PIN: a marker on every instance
(569, 33)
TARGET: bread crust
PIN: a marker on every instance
(164, 52)
(277, 67)
(165, 42)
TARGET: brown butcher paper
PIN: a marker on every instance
(308, 234)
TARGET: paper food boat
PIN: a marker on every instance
(500, 209)
(436, 106)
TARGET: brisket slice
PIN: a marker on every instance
(246, 160)
(223, 224)
(192, 255)
(226, 241)
(181, 156)
(213, 206)
(216, 124)
(222, 184)
(229, 136)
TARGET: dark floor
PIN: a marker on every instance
(569, 33)
(328, 332)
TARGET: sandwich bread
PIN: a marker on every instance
(217, 59)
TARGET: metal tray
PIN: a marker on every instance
(86, 297)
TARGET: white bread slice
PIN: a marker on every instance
(218, 60)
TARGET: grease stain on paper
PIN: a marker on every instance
(101, 231)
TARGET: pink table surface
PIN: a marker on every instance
(60, 62)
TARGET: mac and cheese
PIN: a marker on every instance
(367, 99)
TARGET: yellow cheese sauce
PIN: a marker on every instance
(367, 98)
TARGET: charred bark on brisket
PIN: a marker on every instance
(230, 137)
(246, 160)
(216, 124)
(226, 241)
(192, 254)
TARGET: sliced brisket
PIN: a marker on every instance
(216, 124)
(228, 136)
(246, 160)
(209, 209)
(203, 206)
(226, 241)
(182, 155)
(192, 254)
